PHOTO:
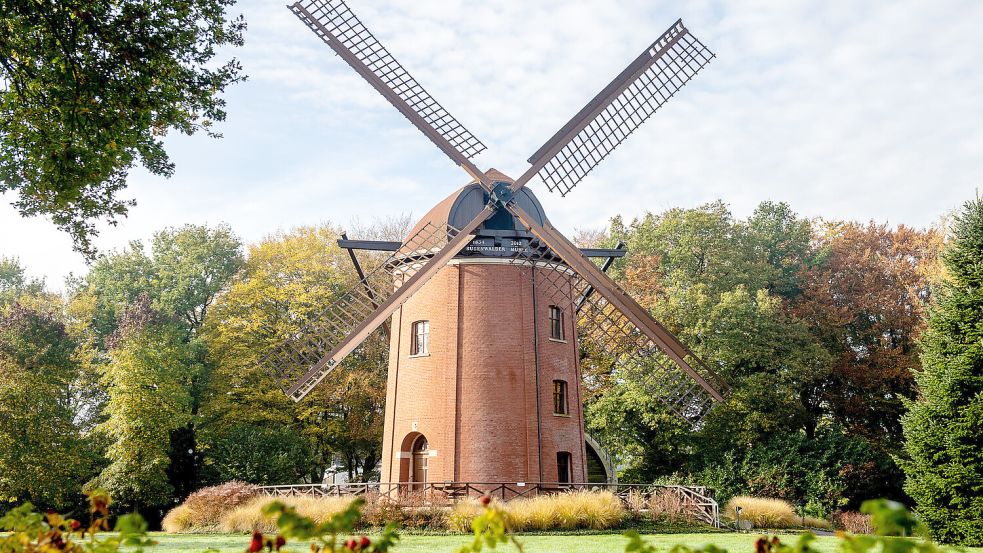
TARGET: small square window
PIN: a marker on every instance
(420, 338)
(556, 323)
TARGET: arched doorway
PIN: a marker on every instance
(600, 467)
(420, 459)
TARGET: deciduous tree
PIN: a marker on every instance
(43, 455)
(865, 302)
(148, 379)
(89, 88)
(288, 280)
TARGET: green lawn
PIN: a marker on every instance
(604, 543)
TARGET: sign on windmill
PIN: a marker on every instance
(484, 386)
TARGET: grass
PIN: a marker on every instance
(600, 543)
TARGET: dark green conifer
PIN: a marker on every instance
(943, 428)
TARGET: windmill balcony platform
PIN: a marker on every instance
(695, 500)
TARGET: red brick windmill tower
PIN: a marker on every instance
(490, 305)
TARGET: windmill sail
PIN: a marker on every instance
(304, 359)
(339, 28)
(624, 334)
(618, 110)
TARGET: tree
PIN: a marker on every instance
(748, 297)
(15, 283)
(191, 266)
(865, 301)
(91, 87)
(147, 379)
(184, 271)
(42, 451)
(288, 279)
(943, 428)
(645, 437)
(782, 242)
(258, 455)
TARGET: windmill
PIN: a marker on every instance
(489, 307)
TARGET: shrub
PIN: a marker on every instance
(203, 510)
(763, 512)
(417, 512)
(250, 516)
(410, 510)
(635, 503)
(32, 532)
(853, 521)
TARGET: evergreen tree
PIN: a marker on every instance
(943, 428)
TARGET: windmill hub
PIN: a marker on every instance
(502, 193)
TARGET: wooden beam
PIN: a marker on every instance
(361, 278)
(387, 246)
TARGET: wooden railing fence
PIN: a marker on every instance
(695, 501)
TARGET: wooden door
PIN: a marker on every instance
(421, 456)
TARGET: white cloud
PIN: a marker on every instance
(861, 111)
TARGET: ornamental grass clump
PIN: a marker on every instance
(762, 512)
(462, 514)
(177, 520)
(567, 511)
(854, 522)
(814, 522)
(203, 510)
(666, 505)
(250, 516)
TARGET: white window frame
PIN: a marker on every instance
(420, 341)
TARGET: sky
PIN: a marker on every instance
(845, 110)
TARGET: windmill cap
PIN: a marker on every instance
(458, 209)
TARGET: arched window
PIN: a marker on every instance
(420, 338)
(556, 323)
(560, 403)
(563, 467)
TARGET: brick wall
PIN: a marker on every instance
(474, 396)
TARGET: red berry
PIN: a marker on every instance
(364, 542)
(351, 544)
(256, 545)
(75, 525)
(280, 542)
(485, 500)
